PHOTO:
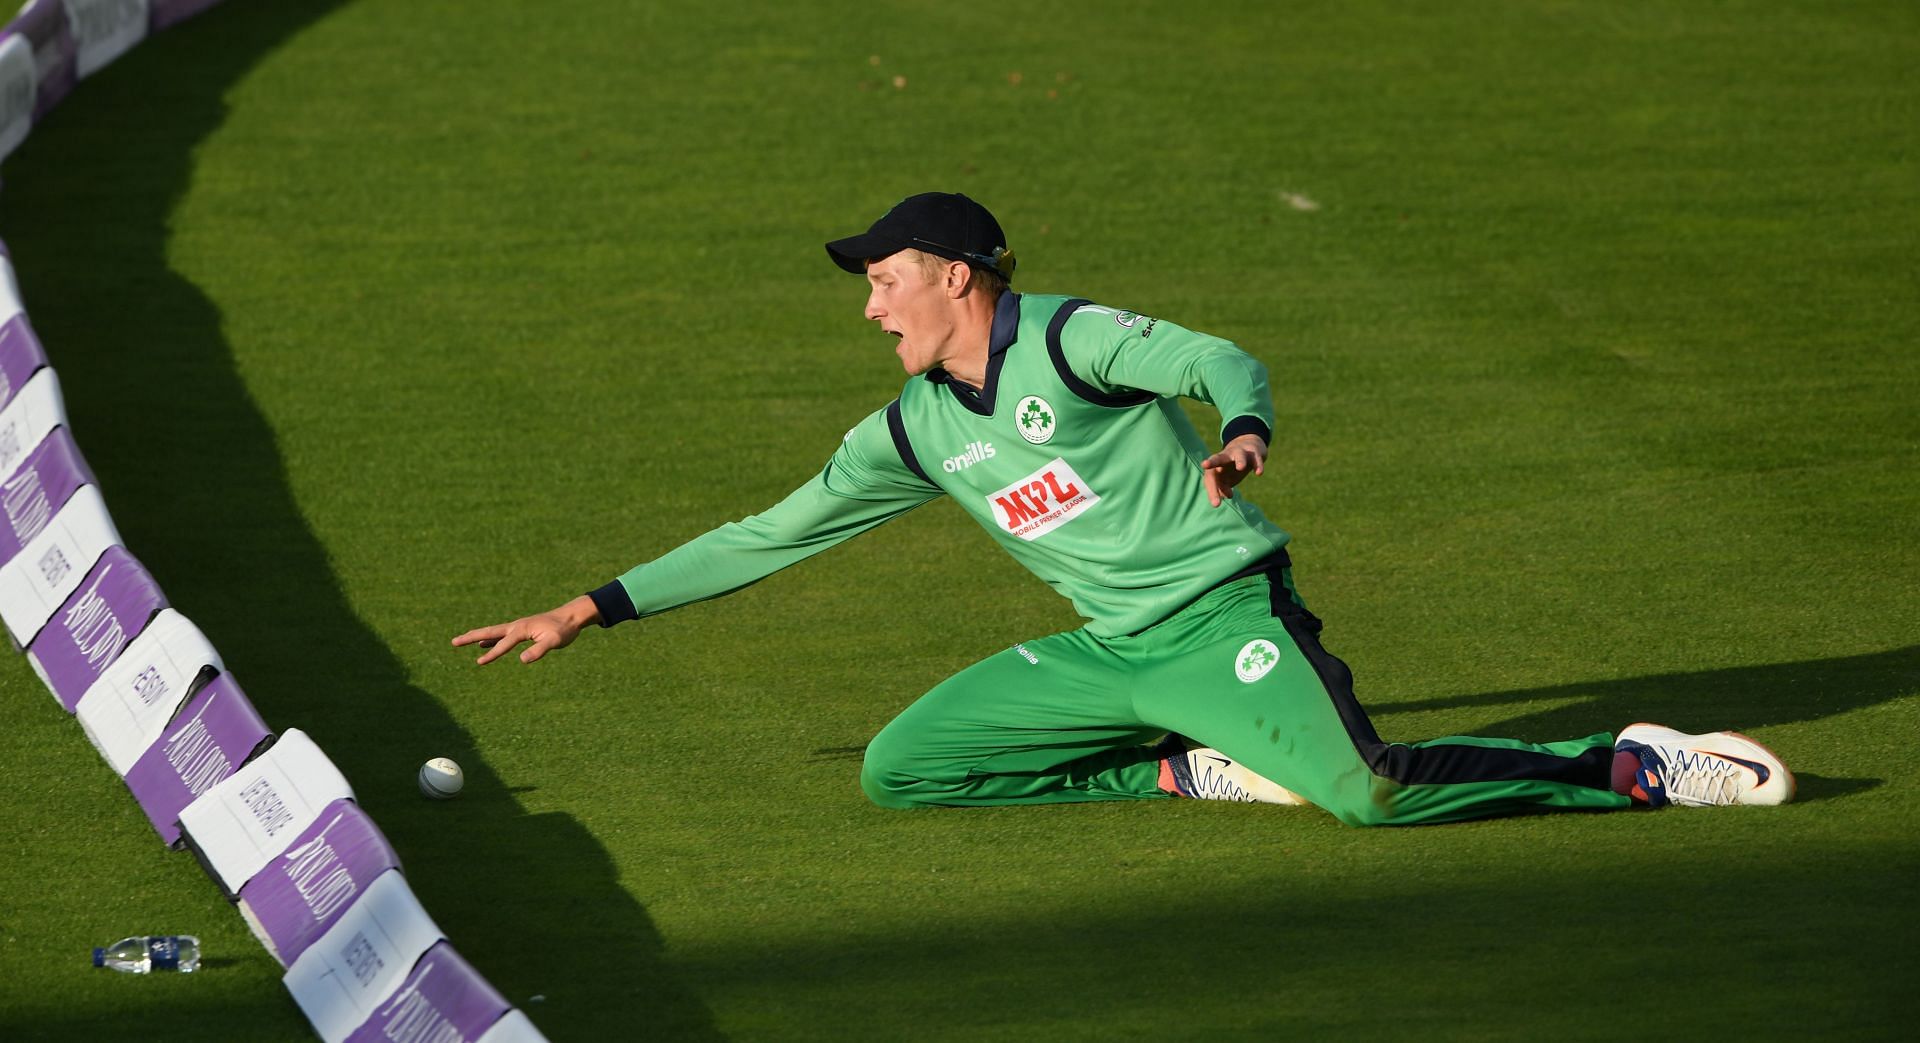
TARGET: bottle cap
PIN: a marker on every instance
(99, 957)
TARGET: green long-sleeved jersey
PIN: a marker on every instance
(1074, 454)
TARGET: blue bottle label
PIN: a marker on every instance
(165, 953)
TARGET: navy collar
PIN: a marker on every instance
(1006, 323)
(1006, 329)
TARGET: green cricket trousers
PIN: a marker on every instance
(1072, 717)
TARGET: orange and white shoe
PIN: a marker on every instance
(1661, 766)
(1208, 774)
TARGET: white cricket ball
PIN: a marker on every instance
(440, 778)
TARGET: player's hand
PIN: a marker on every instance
(1236, 460)
(547, 631)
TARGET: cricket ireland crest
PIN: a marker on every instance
(1034, 419)
(1255, 659)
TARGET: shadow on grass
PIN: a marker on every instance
(190, 470)
(1546, 943)
(1820, 787)
(1737, 698)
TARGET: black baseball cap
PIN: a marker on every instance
(945, 224)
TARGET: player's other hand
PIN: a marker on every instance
(547, 631)
(1234, 462)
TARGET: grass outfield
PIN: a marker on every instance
(1591, 330)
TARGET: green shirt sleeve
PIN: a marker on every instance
(1124, 351)
(864, 484)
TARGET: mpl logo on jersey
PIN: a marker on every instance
(1042, 501)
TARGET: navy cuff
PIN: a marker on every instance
(1246, 425)
(613, 604)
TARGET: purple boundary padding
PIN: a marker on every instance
(114, 603)
(44, 24)
(300, 894)
(20, 356)
(443, 995)
(217, 731)
(164, 13)
(49, 476)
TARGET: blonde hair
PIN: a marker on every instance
(988, 281)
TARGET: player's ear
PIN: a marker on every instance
(959, 276)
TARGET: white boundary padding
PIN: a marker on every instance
(248, 819)
(342, 978)
(104, 30)
(29, 418)
(513, 1027)
(127, 708)
(53, 564)
(9, 285)
(19, 89)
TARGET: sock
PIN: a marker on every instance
(1167, 783)
(1628, 771)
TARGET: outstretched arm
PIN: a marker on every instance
(865, 484)
(547, 630)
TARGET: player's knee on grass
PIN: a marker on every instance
(1364, 801)
(888, 779)
(885, 790)
(1364, 814)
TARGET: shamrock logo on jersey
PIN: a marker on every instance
(1034, 419)
(1254, 660)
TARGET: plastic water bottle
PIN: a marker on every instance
(161, 952)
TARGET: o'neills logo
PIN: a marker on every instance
(1042, 501)
(976, 452)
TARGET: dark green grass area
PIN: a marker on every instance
(1591, 330)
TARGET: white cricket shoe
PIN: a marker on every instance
(1701, 771)
(1208, 774)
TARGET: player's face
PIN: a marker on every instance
(907, 305)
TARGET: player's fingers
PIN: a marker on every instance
(501, 647)
(541, 646)
(1213, 488)
(548, 640)
(481, 635)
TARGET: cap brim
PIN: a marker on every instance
(853, 252)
